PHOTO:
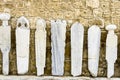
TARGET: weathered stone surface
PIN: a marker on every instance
(5, 41)
(77, 36)
(40, 46)
(111, 49)
(107, 10)
(94, 36)
(58, 31)
(22, 45)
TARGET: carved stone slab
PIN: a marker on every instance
(58, 31)
(40, 46)
(111, 49)
(5, 41)
(94, 35)
(77, 33)
(22, 45)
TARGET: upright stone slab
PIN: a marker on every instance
(77, 33)
(40, 46)
(5, 41)
(94, 35)
(111, 49)
(58, 31)
(22, 45)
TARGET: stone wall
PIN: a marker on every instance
(70, 10)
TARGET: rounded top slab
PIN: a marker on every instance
(111, 27)
(4, 16)
(40, 24)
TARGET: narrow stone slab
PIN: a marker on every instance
(58, 31)
(40, 46)
(22, 45)
(94, 35)
(111, 49)
(77, 34)
(5, 41)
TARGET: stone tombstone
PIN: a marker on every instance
(5, 41)
(22, 45)
(93, 3)
(111, 49)
(94, 36)
(58, 31)
(40, 46)
(77, 36)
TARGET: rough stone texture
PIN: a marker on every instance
(75, 10)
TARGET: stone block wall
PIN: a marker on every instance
(70, 10)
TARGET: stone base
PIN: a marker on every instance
(52, 78)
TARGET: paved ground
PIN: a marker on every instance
(51, 78)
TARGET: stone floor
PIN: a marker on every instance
(52, 78)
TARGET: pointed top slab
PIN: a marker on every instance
(23, 21)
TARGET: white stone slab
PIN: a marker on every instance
(58, 31)
(5, 41)
(111, 49)
(40, 46)
(94, 36)
(22, 45)
(77, 35)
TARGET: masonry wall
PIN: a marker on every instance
(70, 10)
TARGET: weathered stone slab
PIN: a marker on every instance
(94, 36)
(111, 49)
(77, 33)
(22, 45)
(58, 31)
(40, 46)
(5, 41)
